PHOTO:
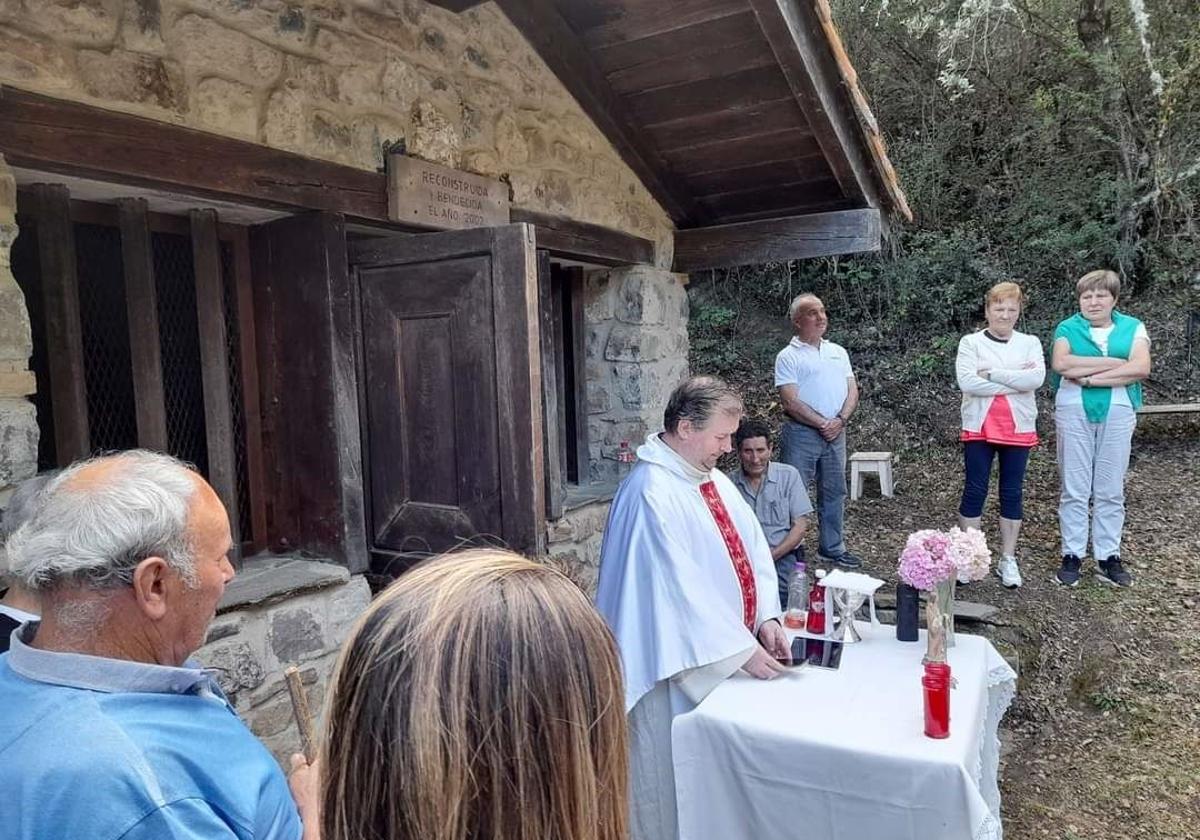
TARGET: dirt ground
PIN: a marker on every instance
(1103, 739)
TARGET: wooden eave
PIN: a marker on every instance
(729, 111)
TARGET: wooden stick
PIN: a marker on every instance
(308, 743)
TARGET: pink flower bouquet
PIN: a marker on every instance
(932, 557)
(971, 554)
(927, 559)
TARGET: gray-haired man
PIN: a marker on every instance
(109, 730)
(819, 394)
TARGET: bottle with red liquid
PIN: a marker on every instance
(936, 687)
(816, 606)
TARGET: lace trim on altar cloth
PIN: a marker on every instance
(1002, 688)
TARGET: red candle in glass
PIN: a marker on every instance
(937, 705)
(941, 670)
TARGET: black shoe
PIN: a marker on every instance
(1111, 572)
(846, 560)
(1068, 574)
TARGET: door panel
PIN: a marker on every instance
(450, 429)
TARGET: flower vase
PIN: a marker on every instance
(939, 621)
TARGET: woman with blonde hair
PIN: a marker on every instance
(479, 698)
(1100, 358)
(999, 369)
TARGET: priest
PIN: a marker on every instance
(686, 584)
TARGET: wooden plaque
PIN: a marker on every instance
(434, 196)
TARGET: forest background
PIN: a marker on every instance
(1036, 140)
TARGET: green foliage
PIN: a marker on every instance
(1033, 145)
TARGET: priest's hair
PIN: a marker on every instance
(479, 698)
(698, 399)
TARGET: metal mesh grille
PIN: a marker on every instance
(179, 337)
(104, 322)
(233, 353)
(26, 267)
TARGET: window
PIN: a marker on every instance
(124, 334)
(564, 380)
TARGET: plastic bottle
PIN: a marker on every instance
(796, 616)
(816, 606)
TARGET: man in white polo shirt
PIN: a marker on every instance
(818, 393)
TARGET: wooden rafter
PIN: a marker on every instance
(794, 238)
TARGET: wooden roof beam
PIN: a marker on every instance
(794, 32)
(568, 58)
(775, 240)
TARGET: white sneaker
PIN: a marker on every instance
(1009, 574)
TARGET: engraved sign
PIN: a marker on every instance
(430, 195)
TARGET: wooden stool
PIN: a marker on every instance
(870, 462)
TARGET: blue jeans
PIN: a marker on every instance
(824, 462)
(783, 571)
(977, 464)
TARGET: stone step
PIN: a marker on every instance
(963, 610)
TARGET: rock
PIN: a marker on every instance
(331, 137)
(560, 530)
(284, 127)
(237, 667)
(226, 107)
(434, 137)
(82, 22)
(294, 634)
(132, 77)
(395, 30)
(344, 608)
(18, 440)
(22, 57)
(141, 28)
(220, 629)
(205, 46)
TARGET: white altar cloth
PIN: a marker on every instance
(842, 755)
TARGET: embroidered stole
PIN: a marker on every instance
(737, 552)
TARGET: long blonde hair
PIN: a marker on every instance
(479, 698)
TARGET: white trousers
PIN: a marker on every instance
(1092, 460)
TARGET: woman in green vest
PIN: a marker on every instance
(1100, 358)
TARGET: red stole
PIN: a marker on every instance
(737, 552)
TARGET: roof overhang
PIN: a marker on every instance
(731, 112)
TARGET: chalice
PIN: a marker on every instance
(847, 603)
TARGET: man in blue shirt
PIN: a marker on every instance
(109, 732)
(777, 494)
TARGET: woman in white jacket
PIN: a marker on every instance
(999, 369)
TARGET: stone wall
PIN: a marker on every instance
(637, 349)
(573, 542)
(18, 421)
(338, 80)
(280, 612)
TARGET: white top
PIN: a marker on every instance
(819, 374)
(1071, 394)
(667, 586)
(1008, 376)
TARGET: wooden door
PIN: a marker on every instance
(450, 387)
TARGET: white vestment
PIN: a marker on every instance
(669, 591)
